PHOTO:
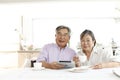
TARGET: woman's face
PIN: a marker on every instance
(62, 38)
(87, 43)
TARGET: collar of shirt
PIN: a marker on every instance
(62, 48)
(95, 50)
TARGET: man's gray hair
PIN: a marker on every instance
(63, 27)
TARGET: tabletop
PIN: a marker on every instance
(62, 74)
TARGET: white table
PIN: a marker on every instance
(47, 74)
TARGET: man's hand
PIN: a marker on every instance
(55, 65)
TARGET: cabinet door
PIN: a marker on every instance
(8, 59)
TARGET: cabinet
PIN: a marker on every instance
(8, 59)
(14, 59)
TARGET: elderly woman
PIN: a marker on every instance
(97, 57)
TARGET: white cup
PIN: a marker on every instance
(82, 58)
(37, 65)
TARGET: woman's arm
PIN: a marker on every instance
(106, 65)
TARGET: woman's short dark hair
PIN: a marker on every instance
(88, 32)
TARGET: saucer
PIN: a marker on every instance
(79, 69)
(38, 69)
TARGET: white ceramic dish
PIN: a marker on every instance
(79, 69)
(116, 72)
(38, 69)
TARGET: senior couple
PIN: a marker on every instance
(96, 56)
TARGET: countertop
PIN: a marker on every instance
(21, 51)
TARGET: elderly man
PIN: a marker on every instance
(52, 53)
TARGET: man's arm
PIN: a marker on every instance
(53, 65)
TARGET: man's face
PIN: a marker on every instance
(62, 38)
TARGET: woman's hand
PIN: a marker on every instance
(98, 66)
(77, 61)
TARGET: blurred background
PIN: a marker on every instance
(29, 24)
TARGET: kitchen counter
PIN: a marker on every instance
(21, 51)
(16, 58)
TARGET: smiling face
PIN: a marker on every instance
(62, 37)
(87, 43)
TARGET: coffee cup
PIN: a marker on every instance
(37, 65)
(82, 58)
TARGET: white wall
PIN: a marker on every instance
(97, 16)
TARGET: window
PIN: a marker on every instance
(104, 29)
